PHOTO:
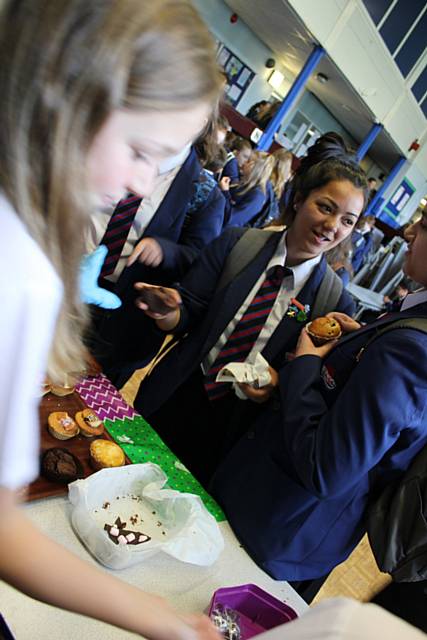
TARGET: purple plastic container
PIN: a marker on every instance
(258, 610)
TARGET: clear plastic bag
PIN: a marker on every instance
(176, 523)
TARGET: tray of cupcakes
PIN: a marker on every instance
(73, 442)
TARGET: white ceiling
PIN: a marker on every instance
(277, 25)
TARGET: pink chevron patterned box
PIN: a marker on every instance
(101, 395)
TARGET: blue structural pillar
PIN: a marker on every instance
(291, 97)
(368, 141)
(387, 182)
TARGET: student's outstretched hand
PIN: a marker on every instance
(161, 622)
(201, 629)
(90, 293)
(148, 251)
(306, 347)
(160, 303)
(347, 323)
(263, 393)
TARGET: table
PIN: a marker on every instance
(187, 587)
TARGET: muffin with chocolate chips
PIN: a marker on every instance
(323, 330)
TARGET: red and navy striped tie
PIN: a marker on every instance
(246, 332)
(117, 231)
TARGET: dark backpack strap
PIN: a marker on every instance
(419, 324)
(244, 251)
(328, 294)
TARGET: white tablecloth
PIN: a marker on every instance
(187, 587)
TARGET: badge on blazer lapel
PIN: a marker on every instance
(298, 310)
(328, 380)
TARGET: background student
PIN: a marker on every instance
(275, 187)
(244, 203)
(362, 240)
(94, 97)
(239, 153)
(189, 217)
(340, 260)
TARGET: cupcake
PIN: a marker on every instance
(89, 423)
(59, 465)
(61, 425)
(104, 453)
(323, 330)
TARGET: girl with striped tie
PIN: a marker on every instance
(222, 314)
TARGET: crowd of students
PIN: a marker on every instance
(115, 121)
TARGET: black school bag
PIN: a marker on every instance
(397, 520)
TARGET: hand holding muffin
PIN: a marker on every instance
(347, 323)
(319, 336)
(323, 330)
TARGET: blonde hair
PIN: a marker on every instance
(281, 170)
(65, 66)
(260, 173)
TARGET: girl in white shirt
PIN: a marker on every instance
(94, 96)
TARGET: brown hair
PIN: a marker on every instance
(239, 144)
(223, 124)
(65, 66)
(207, 146)
(365, 219)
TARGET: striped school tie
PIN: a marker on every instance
(246, 332)
(117, 231)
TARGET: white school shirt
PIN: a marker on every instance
(147, 209)
(30, 294)
(344, 619)
(290, 288)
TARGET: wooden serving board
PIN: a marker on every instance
(79, 445)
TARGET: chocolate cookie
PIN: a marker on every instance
(59, 465)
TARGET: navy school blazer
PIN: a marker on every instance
(127, 337)
(206, 312)
(231, 170)
(243, 210)
(296, 485)
(362, 244)
(180, 243)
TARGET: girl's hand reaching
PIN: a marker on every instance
(160, 303)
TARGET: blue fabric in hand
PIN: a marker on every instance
(90, 292)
